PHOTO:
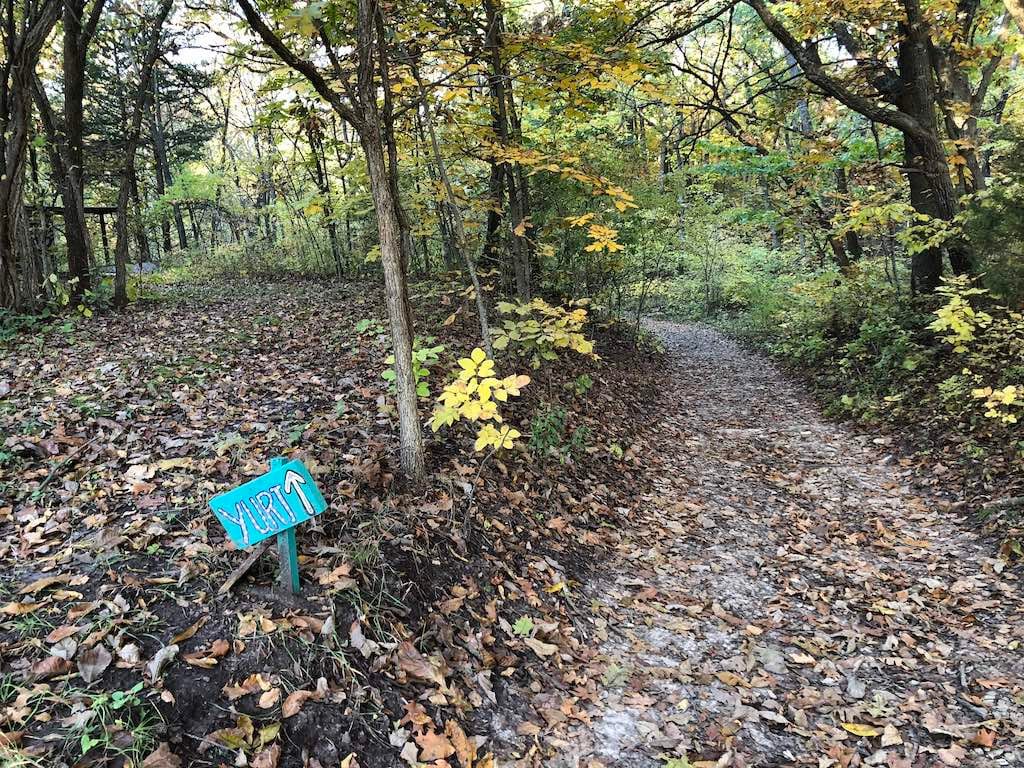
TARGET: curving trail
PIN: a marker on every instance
(783, 581)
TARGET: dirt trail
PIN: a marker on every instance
(783, 581)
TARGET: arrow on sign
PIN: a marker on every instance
(293, 481)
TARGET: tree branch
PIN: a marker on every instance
(809, 61)
(303, 66)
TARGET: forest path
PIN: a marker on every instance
(782, 581)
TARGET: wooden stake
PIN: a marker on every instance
(287, 554)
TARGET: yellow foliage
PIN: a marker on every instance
(957, 320)
(999, 402)
(473, 395)
(602, 239)
(541, 330)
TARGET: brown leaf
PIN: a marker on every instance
(293, 703)
(219, 648)
(49, 667)
(413, 663)
(189, 632)
(268, 758)
(62, 632)
(465, 748)
(93, 662)
(11, 738)
(731, 678)
(43, 583)
(270, 698)
(162, 757)
(953, 756)
(984, 738)
(19, 609)
(540, 648)
(251, 684)
(434, 746)
(415, 715)
(891, 736)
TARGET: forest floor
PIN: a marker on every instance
(783, 596)
(703, 570)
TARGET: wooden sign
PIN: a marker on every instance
(271, 505)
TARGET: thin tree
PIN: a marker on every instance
(133, 133)
(356, 103)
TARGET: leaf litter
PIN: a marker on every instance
(116, 644)
(782, 596)
(720, 579)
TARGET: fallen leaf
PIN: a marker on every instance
(93, 662)
(51, 666)
(268, 758)
(859, 729)
(891, 736)
(189, 632)
(434, 746)
(953, 755)
(984, 738)
(162, 757)
(160, 660)
(270, 698)
(20, 609)
(61, 632)
(465, 748)
(542, 649)
(65, 649)
(234, 737)
(409, 753)
(294, 701)
(43, 583)
(413, 663)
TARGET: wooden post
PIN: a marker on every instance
(287, 553)
(103, 236)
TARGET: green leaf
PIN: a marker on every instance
(523, 627)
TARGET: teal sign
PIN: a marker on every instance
(270, 505)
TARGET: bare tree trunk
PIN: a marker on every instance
(852, 241)
(456, 214)
(23, 44)
(507, 128)
(133, 129)
(931, 190)
(374, 125)
(314, 134)
(383, 187)
(77, 34)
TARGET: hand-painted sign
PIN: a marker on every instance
(269, 505)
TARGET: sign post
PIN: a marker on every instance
(272, 505)
(287, 554)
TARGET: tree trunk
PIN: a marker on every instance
(507, 128)
(456, 215)
(931, 190)
(384, 189)
(852, 241)
(133, 129)
(926, 166)
(23, 45)
(396, 297)
(314, 134)
(162, 173)
(73, 189)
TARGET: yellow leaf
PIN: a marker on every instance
(859, 729)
